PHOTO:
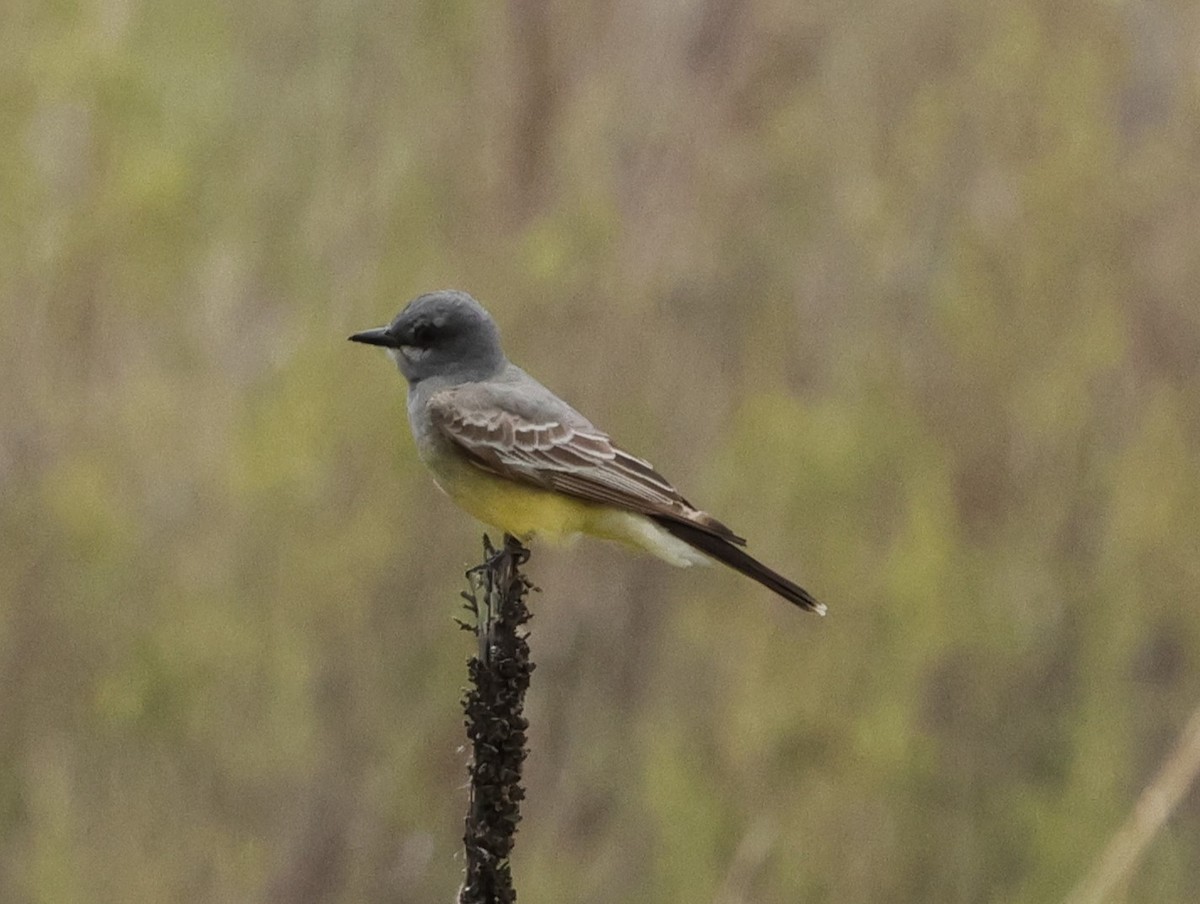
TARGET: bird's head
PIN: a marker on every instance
(446, 333)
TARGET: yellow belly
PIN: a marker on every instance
(527, 512)
(522, 511)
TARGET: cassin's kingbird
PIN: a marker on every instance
(516, 456)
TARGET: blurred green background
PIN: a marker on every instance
(904, 292)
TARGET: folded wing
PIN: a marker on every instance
(529, 435)
(535, 438)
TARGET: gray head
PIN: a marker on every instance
(441, 334)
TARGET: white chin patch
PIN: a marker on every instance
(412, 353)
(409, 353)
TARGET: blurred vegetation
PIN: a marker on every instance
(906, 292)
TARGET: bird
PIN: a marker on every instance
(516, 456)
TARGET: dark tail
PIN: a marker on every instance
(724, 551)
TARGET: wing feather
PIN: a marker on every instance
(499, 430)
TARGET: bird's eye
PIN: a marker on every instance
(423, 334)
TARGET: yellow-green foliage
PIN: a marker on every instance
(906, 293)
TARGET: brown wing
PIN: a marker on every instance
(533, 437)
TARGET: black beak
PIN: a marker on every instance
(381, 335)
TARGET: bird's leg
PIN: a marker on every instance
(515, 548)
